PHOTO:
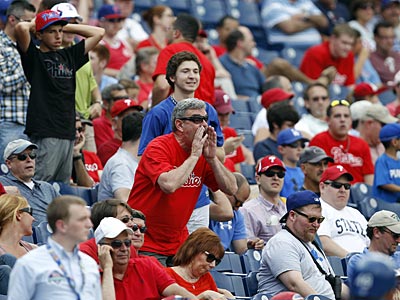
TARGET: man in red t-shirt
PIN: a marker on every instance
(347, 150)
(335, 52)
(185, 29)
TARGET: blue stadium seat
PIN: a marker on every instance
(42, 231)
(231, 282)
(86, 194)
(368, 206)
(240, 121)
(316, 297)
(248, 171)
(230, 263)
(262, 296)
(394, 207)
(337, 92)
(358, 192)
(254, 105)
(142, 5)
(251, 260)
(251, 283)
(208, 12)
(387, 96)
(336, 263)
(249, 14)
(178, 6)
(240, 106)
(248, 141)
(264, 55)
(293, 55)
(3, 169)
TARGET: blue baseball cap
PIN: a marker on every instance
(299, 199)
(108, 11)
(386, 3)
(372, 277)
(4, 4)
(288, 136)
(389, 132)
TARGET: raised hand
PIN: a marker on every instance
(210, 144)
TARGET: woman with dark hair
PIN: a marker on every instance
(201, 252)
(362, 12)
(160, 19)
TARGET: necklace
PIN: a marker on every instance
(187, 277)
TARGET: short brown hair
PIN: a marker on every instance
(58, 209)
(176, 60)
(102, 52)
(149, 14)
(344, 29)
(199, 241)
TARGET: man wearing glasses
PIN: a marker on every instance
(384, 232)
(122, 274)
(170, 176)
(262, 214)
(20, 157)
(344, 229)
(349, 151)
(303, 266)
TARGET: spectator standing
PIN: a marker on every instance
(14, 86)
(99, 58)
(51, 126)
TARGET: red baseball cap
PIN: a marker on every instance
(47, 18)
(122, 105)
(274, 95)
(334, 172)
(366, 89)
(267, 162)
(223, 103)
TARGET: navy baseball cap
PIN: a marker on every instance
(108, 11)
(389, 132)
(372, 277)
(4, 4)
(299, 199)
(288, 136)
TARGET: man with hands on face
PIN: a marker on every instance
(170, 175)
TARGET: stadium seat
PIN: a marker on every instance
(142, 5)
(208, 12)
(293, 55)
(248, 141)
(368, 206)
(86, 194)
(316, 297)
(394, 207)
(254, 105)
(230, 263)
(358, 192)
(178, 6)
(336, 263)
(337, 92)
(231, 282)
(262, 296)
(264, 55)
(3, 169)
(240, 106)
(251, 260)
(387, 96)
(42, 232)
(248, 171)
(241, 121)
(251, 283)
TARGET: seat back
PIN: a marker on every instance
(251, 260)
(230, 263)
(252, 283)
(262, 296)
(231, 282)
(336, 263)
(248, 171)
(85, 193)
(42, 231)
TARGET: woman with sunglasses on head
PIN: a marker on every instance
(200, 253)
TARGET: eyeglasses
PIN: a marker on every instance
(24, 156)
(295, 145)
(116, 20)
(338, 185)
(20, 19)
(270, 173)
(195, 119)
(211, 257)
(28, 210)
(310, 219)
(79, 129)
(339, 102)
(323, 98)
(394, 235)
(238, 203)
(116, 244)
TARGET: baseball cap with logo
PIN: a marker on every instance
(122, 105)
(372, 277)
(334, 172)
(66, 11)
(108, 11)
(389, 132)
(274, 95)
(110, 228)
(267, 162)
(223, 103)
(47, 18)
(314, 154)
(16, 147)
(288, 136)
(299, 199)
(385, 218)
(379, 113)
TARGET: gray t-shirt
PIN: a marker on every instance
(283, 253)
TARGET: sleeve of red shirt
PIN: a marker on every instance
(163, 279)
(310, 65)
(2, 190)
(162, 61)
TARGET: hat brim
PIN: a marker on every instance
(319, 158)
(113, 16)
(284, 218)
(225, 110)
(394, 228)
(56, 22)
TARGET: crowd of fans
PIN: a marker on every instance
(140, 112)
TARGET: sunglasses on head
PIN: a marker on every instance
(197, 119)
(339, 102)
(211, 257)
(310, 219)
(28, 210)
(270, 173)
(116, 244)
(24, 156)
(338, 185)
(295, 145)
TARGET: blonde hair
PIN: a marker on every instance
(9, 206)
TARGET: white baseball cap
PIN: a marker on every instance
(67, 11)
(110, 228)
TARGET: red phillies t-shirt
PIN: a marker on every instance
(144, 91)
(102, 130)
(119, 55)
(205, 91)
(318, 58)
(167, 214)
(92, 164)
(353, 154)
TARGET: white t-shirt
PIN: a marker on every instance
(132, 29)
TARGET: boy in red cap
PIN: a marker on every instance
(51, 72)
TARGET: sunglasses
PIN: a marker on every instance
(338, 185)
(195, 119)
(394, 235)
(211, 257)
(24, 156)
(135, 227)
(270, 173)
(28, 210)
(315, 99)
(238, 203)
(310, 219)
(116, 244)
(116, 20)
(339, 102)
(295, 145)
